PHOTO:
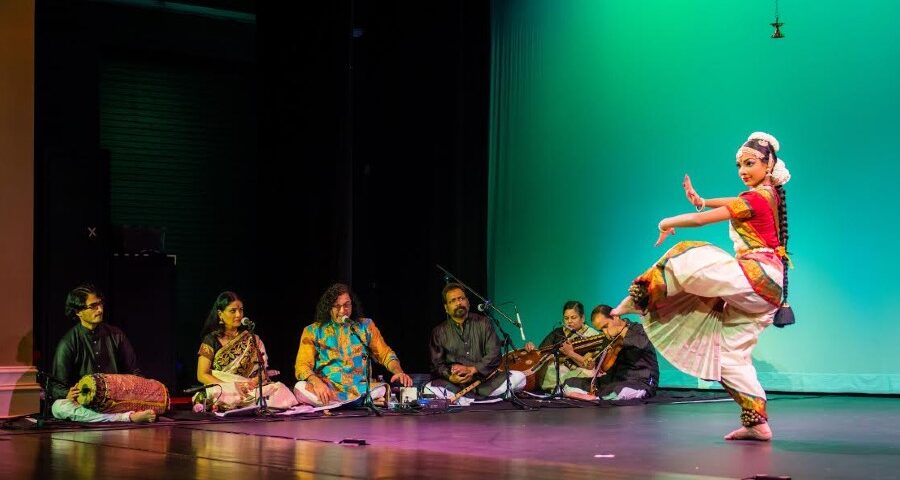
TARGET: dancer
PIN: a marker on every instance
(704, 309)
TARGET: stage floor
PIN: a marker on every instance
(818, 437)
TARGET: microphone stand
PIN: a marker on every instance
(47, 399)
(367, 401)
(262, 406)
(557, 389)
(505, 345)
(488, 305)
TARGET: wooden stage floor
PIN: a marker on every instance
(838, 437)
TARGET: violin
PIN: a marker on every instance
(608, 357)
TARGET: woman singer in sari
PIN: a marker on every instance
(230, 357)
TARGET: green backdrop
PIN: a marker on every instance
(600, 107)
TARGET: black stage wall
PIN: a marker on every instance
(280, 148)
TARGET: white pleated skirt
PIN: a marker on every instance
(710, 317)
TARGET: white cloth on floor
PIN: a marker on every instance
(66, 409)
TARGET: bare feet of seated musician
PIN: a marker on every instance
(144, 416)
(587, 397)
(760, 432)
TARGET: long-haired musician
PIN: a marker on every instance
(331, 365)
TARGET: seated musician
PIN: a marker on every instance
(89, 347)
(465, 351)
(233, 359)
(634, 372)
(572, 364)
(331, 361)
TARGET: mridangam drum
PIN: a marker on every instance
(119, 393)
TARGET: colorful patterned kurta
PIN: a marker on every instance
(334, 352)
(706, 308)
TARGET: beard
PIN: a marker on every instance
(460, 312)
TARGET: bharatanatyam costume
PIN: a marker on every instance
(238, 361)
(705, 309)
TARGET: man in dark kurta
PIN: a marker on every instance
(635, 373)
(80, 352)
(465, 349)
(91, 346)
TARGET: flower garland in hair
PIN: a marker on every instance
(780, 174)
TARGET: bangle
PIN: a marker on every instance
(702, 204)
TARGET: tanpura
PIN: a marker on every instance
(530, 362)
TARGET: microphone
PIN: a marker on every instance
(201, 387)
(353, 330)
(485, 306)
(519, 321)
(573, 332)
(248, 323)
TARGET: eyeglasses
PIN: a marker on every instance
(347, 305)
(94, 306)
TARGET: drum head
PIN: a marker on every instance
(87, 390)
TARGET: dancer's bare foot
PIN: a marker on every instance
(144, 416)
(760, 432)
(625, 307)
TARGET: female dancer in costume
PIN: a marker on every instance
(704, 309)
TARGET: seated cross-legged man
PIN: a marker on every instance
(634, 372)
(465, 350)
(90, 347)
(331, 361)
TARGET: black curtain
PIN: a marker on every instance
(375, 133)
(370, 165)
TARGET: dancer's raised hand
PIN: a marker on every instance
(690, 193)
